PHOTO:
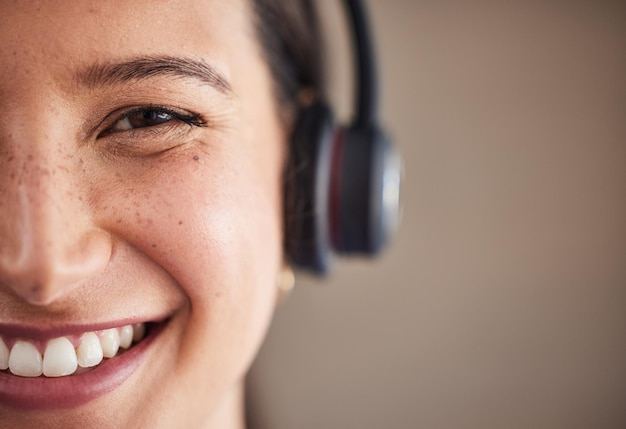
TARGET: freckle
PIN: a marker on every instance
(196, 158)
(180, 222)
(119, 220)
(80, 198)
(154, 245)
(29, 157)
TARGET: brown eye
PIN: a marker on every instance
(142, 118)
(152, 118)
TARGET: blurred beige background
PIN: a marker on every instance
(502, 303)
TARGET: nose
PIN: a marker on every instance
(48, 242)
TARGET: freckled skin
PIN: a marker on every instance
(183, 222)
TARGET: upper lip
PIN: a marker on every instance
(48, 332)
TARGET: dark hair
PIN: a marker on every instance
(290, 41)
(290, 38)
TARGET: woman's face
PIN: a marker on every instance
(140, 182)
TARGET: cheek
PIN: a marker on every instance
(212, 220)
(201, 214)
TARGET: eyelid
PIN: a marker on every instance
(180, 115)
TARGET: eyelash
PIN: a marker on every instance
(191, 119)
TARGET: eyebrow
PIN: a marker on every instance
(107, 74)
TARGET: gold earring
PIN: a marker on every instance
(285, 281)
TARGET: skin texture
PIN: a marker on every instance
(174, 220)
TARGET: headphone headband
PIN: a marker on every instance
(366, 88)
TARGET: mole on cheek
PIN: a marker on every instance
(196, 158)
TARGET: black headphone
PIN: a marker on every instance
(343, 181)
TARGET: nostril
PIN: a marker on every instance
(35, 294)
(35, 290)
(26, 287)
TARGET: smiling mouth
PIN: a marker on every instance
(67, 355)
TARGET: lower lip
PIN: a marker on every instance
(74, 390)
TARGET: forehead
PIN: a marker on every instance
(48, 38)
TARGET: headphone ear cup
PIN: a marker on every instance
(307, 184)
(366, 191)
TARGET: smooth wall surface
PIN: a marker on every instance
(502, 303)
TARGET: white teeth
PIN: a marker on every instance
(25, 360)
(110, 342)
(126, 336)
(4, 355)
(89, 352)
(139, 330)
(59, 359)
